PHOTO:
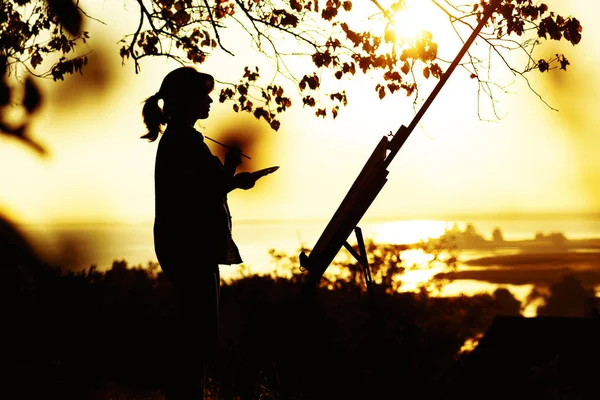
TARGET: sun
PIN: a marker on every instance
(415, 18)
(408, 22)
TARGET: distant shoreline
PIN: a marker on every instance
(532, 260)
(450, 217)
(537, 268)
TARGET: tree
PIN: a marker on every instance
(41, 38)
(30, 102)
(32, 32)
(568, 298)
(506, 302)
(497, 236)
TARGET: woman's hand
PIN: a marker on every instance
(244, 180)
(233, 158)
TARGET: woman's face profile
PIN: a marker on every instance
(201, 106)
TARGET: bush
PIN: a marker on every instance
(74, 332)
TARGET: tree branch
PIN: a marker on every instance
(212, 21)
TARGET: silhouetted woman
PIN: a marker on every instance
(192, 226)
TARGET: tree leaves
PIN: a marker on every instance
(311, 81)
(556, 27)
(31, 102)
(572, 30)
(189, 32)
(248, 91)
(547, 65)
(68, 66)
(563, 62)
(426, 72)
(283, 18)
(331, 9)
(31, 31)
(67, 14)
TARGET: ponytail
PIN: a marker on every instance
(154, 117)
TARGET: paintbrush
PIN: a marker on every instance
(224, 145)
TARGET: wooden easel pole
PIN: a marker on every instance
(403, 132)
(373, 176)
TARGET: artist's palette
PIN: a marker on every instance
(266, 171)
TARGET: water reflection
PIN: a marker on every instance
(521, 265)
(406, 232)
(105, 243)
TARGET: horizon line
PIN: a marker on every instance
(481, 216)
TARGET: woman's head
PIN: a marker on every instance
(185, 94)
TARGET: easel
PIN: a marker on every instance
(368, 184)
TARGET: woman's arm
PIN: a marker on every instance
(243, 180)
(233, 159)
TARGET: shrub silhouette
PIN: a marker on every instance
(74, 333)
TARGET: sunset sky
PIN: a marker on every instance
(533, 160)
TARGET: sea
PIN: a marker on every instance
(80, 246)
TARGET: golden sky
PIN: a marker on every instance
(533, 160)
